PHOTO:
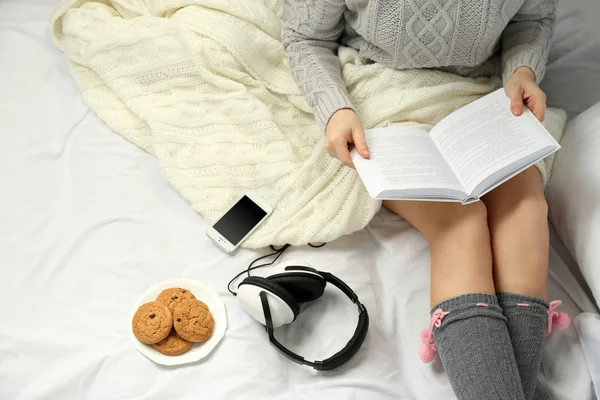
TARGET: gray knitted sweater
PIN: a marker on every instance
(467, 37)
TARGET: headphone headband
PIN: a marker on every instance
(338, 283)
(347, 351)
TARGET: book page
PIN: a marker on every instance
(404, 158)
(484, 137)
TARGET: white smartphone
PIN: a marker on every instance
(239, 222)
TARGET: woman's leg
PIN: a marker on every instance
(517, 217)
(471, 336)
(518, 221)
(461, 256)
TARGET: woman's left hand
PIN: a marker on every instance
(522, 89)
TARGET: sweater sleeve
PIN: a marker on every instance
(526, 41)
(310, 38)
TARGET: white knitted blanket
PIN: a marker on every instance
(203, 85)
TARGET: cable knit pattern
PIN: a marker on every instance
(203, 86)
(467, 37)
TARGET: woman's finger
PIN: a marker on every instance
(515, 93)
(538, 109)
(358, 137)
(536, 102)
(343, 154)
(329, 148)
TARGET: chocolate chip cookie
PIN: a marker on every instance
(152, 322)
(173, 296)
(172, 345)
(193, 321)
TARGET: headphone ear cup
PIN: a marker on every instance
(304, 287)
(284, 308)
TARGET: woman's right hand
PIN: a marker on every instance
(344, 128)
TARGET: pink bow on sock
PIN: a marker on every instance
(427, 351)
(559, 320)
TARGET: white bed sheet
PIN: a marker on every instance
(87, 223)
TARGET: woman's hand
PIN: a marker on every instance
(344, 128)
(522, 89)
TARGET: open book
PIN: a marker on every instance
(467, 154)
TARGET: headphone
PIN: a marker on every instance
(275, 300)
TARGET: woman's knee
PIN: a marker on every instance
(462, 223)
(536, 208)
(530, 212)
(521, 196)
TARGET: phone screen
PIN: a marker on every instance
(239, 220)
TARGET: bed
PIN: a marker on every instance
(88, 223)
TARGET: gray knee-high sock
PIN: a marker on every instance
(475, 349)
(527, 319)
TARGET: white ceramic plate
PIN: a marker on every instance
(198, 350)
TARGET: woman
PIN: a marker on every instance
(489, 260)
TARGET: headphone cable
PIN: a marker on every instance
(277, 252)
